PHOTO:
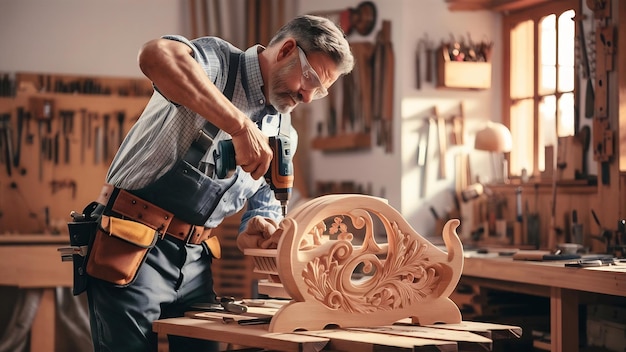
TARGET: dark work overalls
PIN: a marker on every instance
(175, 275)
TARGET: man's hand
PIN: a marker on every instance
(260, 232)
(252, 150)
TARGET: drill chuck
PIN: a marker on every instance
(283, 196)
(280, 174)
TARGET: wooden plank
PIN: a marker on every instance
(529, 289)
(253, 312)
(251, 28)
(564, 311)
(36, 239)
(466, 336)
(621, 78)
(388, 72)
(364, 341)
(264, 22)
(443, 143)
(362, 76)
(163, 344)
(43, 333)
(465, 340)
(609, 280)
(34, 266)
(251, 335)
(272, 289)
(488, 330)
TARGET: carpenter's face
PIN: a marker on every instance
(283, 93)
(298, 80)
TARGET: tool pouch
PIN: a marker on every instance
(81, 231)
(118, 250)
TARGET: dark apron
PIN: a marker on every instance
(185, 190)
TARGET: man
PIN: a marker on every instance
(242, 95)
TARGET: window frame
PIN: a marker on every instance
(509, 21)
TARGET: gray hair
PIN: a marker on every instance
(319, 34)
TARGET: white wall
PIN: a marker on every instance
(83, 37)
(103, 38)
(431, 17)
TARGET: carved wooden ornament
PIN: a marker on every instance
(406, 277)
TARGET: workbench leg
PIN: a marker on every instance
(43, 332)
(163, 343)
(564, 318)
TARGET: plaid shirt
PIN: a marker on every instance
(164, 132)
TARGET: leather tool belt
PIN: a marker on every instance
(134, 208)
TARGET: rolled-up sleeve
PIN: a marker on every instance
(262, 203)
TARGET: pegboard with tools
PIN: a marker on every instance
(58, 135)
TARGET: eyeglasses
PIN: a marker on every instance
(310, 79)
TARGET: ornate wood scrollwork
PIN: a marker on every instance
(404, 276)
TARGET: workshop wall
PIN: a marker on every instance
(411, 188)
(108, 41)
(83, 37)
(63, 132)
(87, 84)
(423, 187)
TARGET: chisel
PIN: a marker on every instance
(105, 138)
(121, 116)
(589, 94)
(6, 131)
(443, 143)
(42, 148)
(20, 128)
(83, 135)
(30, 137)
(55, 152)
(98, 145)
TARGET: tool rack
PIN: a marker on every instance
(64, 131)
(59, 135)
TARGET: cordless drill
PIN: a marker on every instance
(280, 173)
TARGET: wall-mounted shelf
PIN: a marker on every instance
(459, 71)
(343, 142)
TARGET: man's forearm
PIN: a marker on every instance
(172, 68)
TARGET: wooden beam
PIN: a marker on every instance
(493, 5)
(621, 77)
(193, 18)
(564, 305)
(43, 331)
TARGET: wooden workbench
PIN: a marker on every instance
(33, 262)
(567, 287)
(402, 336)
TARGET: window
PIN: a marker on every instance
(539, 96)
